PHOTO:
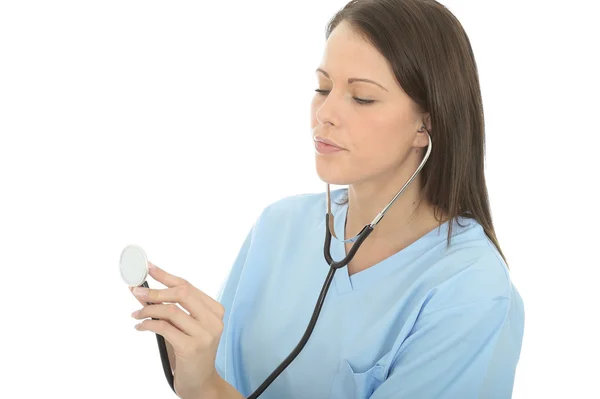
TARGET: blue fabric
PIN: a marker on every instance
(430, 321)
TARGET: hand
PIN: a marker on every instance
(194, 337)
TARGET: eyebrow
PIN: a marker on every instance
(352, 80)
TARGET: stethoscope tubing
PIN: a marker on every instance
(164, 354)
(333, 267)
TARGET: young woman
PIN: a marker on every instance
(425, 308)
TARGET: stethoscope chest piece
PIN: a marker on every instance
(133, 265)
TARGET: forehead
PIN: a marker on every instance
(346, 53)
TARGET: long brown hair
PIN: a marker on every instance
(433, 62)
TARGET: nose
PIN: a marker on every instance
(327, 111)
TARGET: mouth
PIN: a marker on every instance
(325, 146)
(328, 142)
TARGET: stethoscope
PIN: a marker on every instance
(133, 266)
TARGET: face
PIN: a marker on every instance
(374, 125)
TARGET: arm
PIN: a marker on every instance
(465, 351)
(221, 389)
(225, 297)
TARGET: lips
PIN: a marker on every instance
(329, 142)
(325, 146)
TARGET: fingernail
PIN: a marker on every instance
(137, 326)
(140, 291)
(135, 314)
(151, 266)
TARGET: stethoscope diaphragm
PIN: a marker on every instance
(133, 265)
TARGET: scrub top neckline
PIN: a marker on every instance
(345, 283)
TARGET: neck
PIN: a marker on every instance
(367, 199)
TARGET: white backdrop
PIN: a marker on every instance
(172, 124)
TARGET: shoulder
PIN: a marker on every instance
(294, 204)
(305, 207)
(470, 270)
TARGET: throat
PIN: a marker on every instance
(370, 255)
(376, 248)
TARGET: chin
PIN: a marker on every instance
(334, 181)
(331, 173)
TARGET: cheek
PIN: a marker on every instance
(374, 138)
(382, 144)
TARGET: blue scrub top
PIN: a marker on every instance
(427, 322)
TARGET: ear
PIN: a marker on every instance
(421, 139)
(427, 122)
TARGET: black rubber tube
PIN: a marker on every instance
(164, 355)
(162, 348)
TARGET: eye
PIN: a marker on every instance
(358, 100)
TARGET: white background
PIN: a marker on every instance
(172, 124)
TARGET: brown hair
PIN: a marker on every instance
(433, 62)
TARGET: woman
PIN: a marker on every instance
(426, 308)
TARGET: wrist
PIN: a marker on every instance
(211, 388)
(217, 388)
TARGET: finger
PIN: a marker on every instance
(214, 306)
(144, 303)
(176, 337)
(170, 281)
(162, 276)
(138, 299)
(173, 314)
(187, 296)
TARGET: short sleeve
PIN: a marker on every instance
(227, 290)
(226, 296)
(462, 351)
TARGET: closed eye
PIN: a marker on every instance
(358, 100)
